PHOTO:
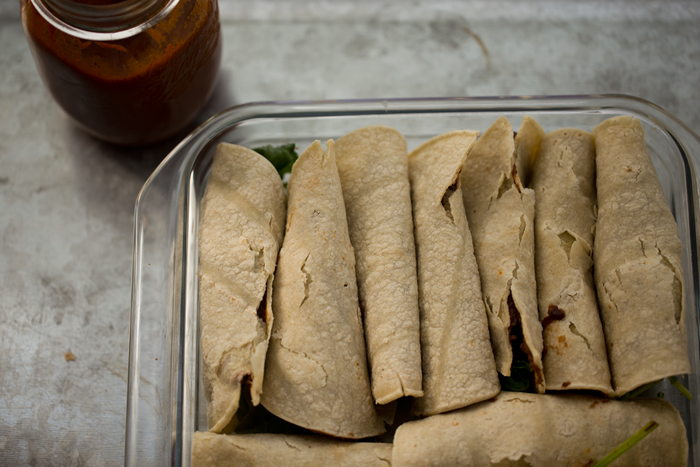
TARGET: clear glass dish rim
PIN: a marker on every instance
(184, 156)
(298, 108)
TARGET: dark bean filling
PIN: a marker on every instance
(262, 308)
(554, 313)
(520, 349)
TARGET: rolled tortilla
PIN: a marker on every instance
(317, 372)
(521, 429)
(501, 214)
(373, 169)
(261, 450)
(458, 364)
(240, 230)
(638, 268)
(564, 185)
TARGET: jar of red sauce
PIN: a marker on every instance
(127, 71)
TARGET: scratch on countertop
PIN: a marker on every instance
(478, 40)
(118, 372)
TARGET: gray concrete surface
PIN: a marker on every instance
(66, 200)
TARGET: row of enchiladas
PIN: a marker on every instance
(428, 274)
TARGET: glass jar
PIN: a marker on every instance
(129, 72)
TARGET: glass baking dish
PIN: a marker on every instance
(165, 400)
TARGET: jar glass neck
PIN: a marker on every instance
(103, 20)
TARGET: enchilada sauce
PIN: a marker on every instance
(137, 90)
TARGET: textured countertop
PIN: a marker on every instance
(66, 199)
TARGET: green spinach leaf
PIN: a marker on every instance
(520, 375)
(282, 157)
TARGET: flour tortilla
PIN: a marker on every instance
(638, 268)
(317, 372)
(261, 450)
(373, 169)
(240, 230)
(564, 185)
(501, 214)
(458, 364)
(533, 430)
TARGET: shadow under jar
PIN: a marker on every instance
(129, 72)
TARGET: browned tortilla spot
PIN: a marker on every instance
(599, 401)
(516, 179)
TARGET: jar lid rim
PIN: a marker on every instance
(105, 22)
